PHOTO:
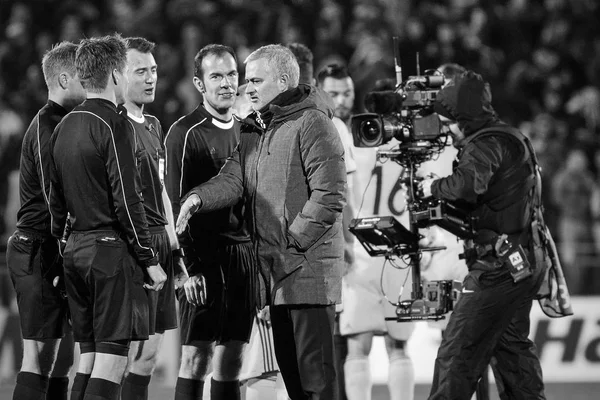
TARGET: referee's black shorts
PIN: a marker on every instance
(105, 289)
(33, 262)
(231, 274)
(162, 308)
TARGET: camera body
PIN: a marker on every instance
(446, 215)
(405, 114)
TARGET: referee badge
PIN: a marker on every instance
(160, 154)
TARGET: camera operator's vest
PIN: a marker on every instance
(506, 206)
(553, 295)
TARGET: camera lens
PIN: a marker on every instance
(367, 130)
(370, 130)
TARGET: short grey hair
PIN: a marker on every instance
(281, 61)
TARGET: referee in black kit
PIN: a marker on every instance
(217, 303)
(32, 253)
(150, 154)
(109, 250)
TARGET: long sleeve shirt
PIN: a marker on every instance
(197, 146)
(96, 179)
(34, 171)
(150, 158)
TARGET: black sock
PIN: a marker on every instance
(58, 388)
(101, 389)
(188, 389)
(224, 390)
(135, 387)
(79, 384)
(30, 386)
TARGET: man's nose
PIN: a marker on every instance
(225, 82)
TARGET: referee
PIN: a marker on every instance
(217, 303)
(32, 254)
(108, 253)
(150, 156)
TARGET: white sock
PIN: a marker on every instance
(401, 376)
(358, 378)
(206, 388)
(280, 388)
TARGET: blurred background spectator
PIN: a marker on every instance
(542, 58)
(571, 192)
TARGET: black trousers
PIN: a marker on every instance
(490, 320)
(305, 352)
(341, 352)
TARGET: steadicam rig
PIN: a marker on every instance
(406, 114)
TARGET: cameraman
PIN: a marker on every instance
(493, 177)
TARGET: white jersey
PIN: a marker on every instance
(386, 196)
(377, 192)
(346, 138)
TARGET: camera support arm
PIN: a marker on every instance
(410, 168)
(434, 299)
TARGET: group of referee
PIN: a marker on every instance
(95, 254)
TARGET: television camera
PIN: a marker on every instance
(406, 114)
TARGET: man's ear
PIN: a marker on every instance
(199, 85)
(63, 80)
(115, 78)
(283, 83)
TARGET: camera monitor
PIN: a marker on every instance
(379, 235)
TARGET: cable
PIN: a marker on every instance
(401, 287)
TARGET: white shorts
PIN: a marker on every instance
(364, 305)
(442, 264)
(259, 354)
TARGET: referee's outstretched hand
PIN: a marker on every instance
(195, 290)
(157, 276)
(188, 208)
